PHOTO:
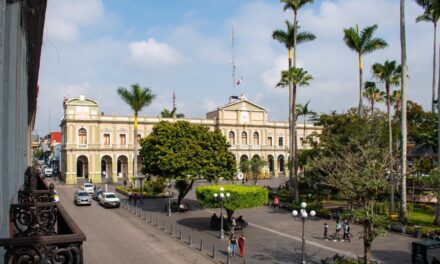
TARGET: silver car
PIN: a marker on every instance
(82, 198)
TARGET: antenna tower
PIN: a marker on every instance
(174, 100)
(233, 56)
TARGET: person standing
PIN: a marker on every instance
(276, 202)
(232, 245)
(125, 183)
(338, 228)
(241, 240)
(347, 231)
(326, 231)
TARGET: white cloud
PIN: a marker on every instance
(153, 54)
(66, 17)
(272, 76)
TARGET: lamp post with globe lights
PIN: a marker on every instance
(221, 196)
(302, 214)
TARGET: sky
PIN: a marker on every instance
(92, 47)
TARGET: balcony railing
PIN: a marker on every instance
(43, 232)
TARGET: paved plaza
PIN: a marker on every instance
(273, 236)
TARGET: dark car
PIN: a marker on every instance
(96, 193)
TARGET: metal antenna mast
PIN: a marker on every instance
(174, 100)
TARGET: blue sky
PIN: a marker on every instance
(92, 47)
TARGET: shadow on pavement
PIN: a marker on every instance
(198, 223)
(389, 256)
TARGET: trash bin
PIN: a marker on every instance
(418, 233)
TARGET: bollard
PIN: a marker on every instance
(189, 239)
(181, 233)
(244, 260)
(213, 251)
(172, 231)
(157, 220)
(201, 244)
(228, 259)
(145, 215)
(163, 226)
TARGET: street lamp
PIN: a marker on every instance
(303, 215)
(221, 196)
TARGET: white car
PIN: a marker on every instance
(109, 199)
(88, 187)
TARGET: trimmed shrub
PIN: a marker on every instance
(241, 196)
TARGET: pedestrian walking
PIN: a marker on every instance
(276, 202)
(233, 225)
(241, 240)
(125, 183)
(338, 228)
(326, 231)
(347, 231)
(232, 245)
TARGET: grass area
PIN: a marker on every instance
(422, 217)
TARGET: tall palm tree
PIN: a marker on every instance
(286, 37)
(432, 15)
(304, 111)
(362, 42)
(295, 6)
(390, 74)
(137, 98)
(291, 78)
(404, 83)
(395, 101)
(373, 94)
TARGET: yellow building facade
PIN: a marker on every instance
(99, 148)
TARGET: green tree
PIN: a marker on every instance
(356, 168)
(165, 113)
(390, 74)
(431, 14)
(137, 98)
(293, 77)
(186, 152)
(433, 181)
(373, 94)
(363, 43)
(39, 153)
(403, 83)
(242, 197)
(304, 111)
(254, 166)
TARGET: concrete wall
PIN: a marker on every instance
(14, 131)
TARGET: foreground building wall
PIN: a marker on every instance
(21, 32)
(99, 148)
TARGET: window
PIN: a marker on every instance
(231, 138)
(82, 134)
(244, 138)
(107, 139)
(256, 138)
(269, 141)
(280, 141)
(122, 139)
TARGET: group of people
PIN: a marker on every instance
(233, 242)
(345, 228)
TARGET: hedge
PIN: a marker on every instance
(241, 196)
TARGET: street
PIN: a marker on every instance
(115, 236)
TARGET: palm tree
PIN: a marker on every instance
(294, 5)
(137, 98)
(291, 78)
(431, 15)
(304, 111)
(404, 82)
(363, 43)
(395, 100)
(165, 113)
(373, 94)
(286, 37)
(390, 74)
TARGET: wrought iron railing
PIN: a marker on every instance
(43, 232)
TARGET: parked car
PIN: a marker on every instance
(48, 172)
(109, 199)
(96, 194)
(82, 198)
(88, 187)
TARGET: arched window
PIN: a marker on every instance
(256, 138)
(244, 138)
(82, 135)
(231, 138)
